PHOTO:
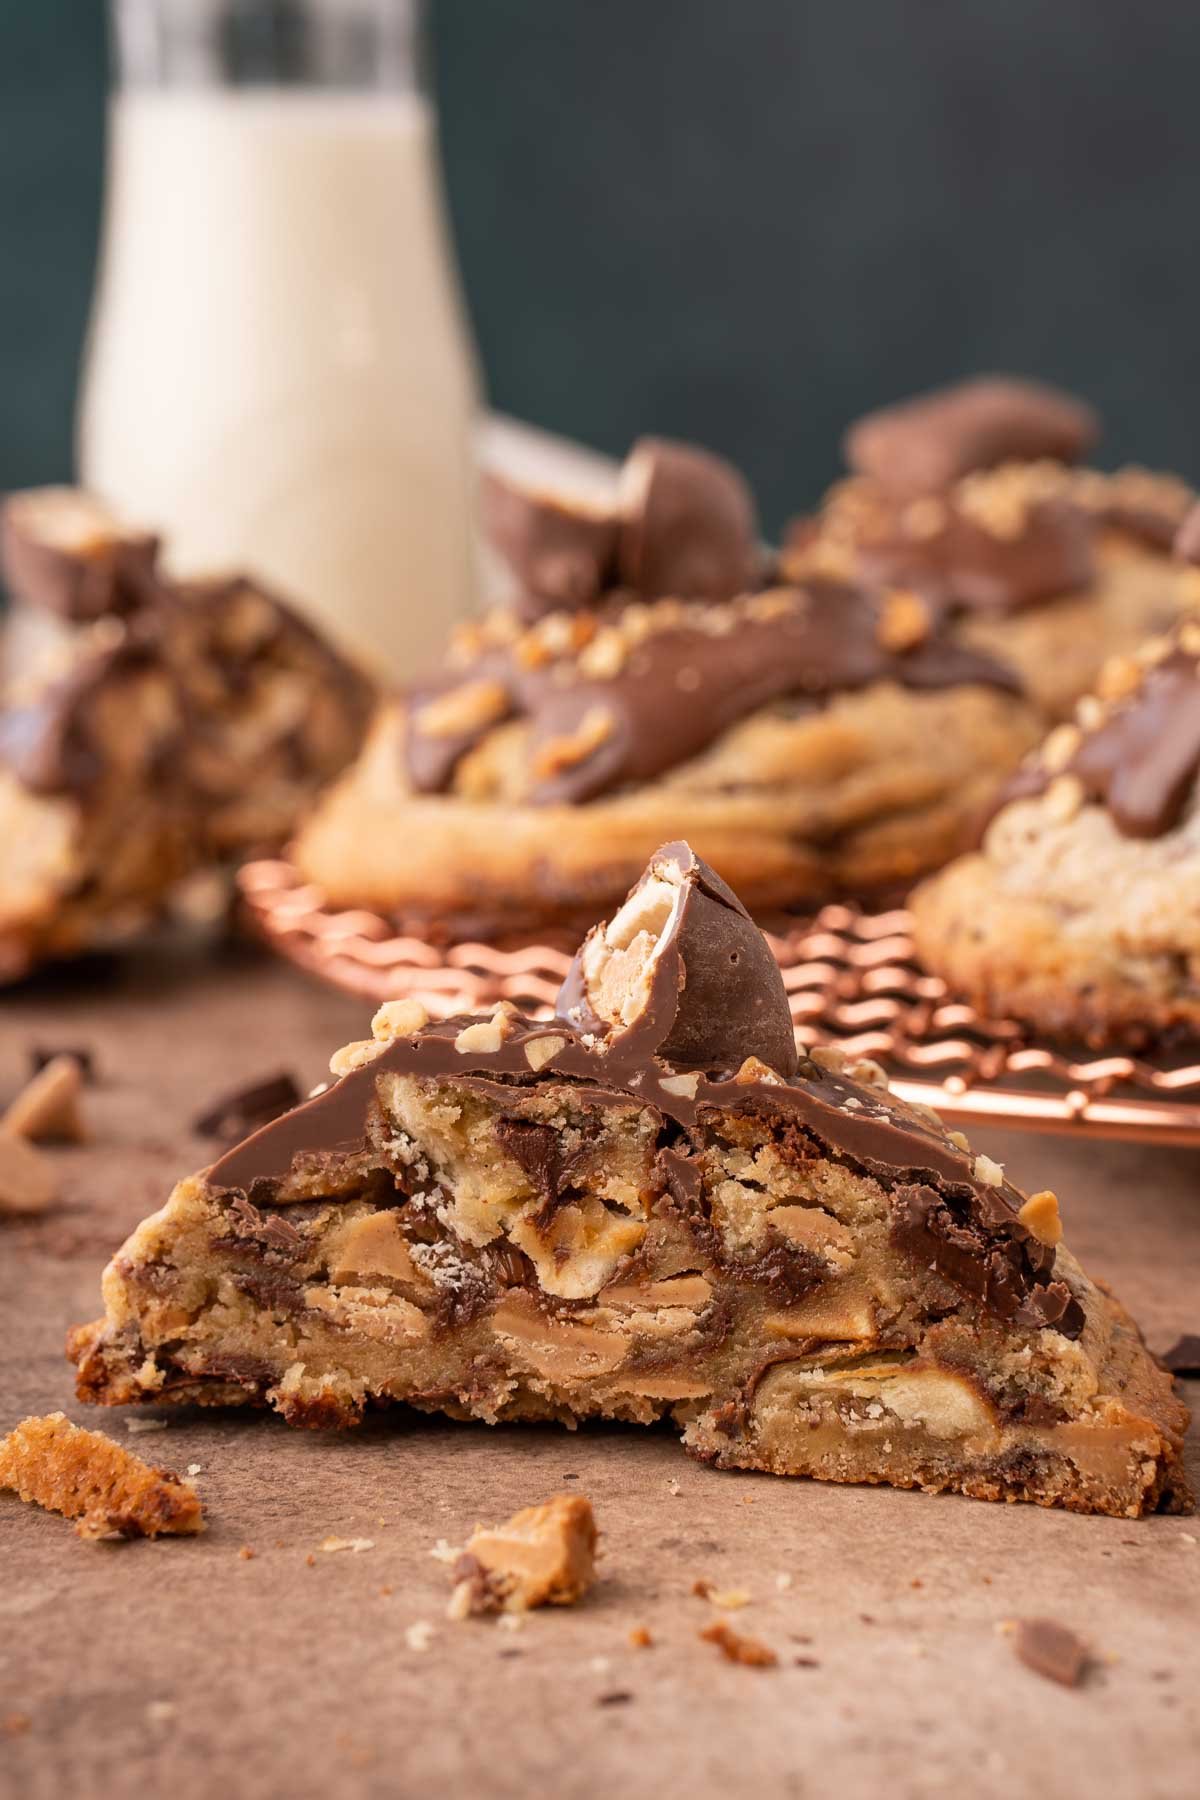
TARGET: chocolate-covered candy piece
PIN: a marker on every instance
(688, 524)
(929, 442)
(561, 550)
(63, 550)
(682, 972)
(1187, 538)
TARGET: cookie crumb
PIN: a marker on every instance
(640, 1638)
(737, 1648)
(247, 1554)
(16, 1724)
(333, 1545)
(85, 1476)
(419, 1636)
(543, 1556)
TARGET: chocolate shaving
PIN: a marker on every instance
(1051, 1650)
(247, 1108)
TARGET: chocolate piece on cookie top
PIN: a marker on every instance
(926, 444)
(62, 550)
(681, 524)
(1135, 745)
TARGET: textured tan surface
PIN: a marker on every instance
(185, 1668)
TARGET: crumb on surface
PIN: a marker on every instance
(1052, 1650)
(543, 1556)
(735, 1647)
(419, 1635)
(640, 1638)
(85, 1476)
(332, 1545)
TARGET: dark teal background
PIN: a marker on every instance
(742, 220)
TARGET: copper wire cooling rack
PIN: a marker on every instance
(851, 977)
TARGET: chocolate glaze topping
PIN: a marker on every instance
(944, 1214)
(925, 444)
(971, 569)
(681, 685)
(1142, 761)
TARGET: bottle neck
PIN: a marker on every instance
(347, 46)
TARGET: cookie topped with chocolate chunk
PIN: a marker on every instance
(1080, 912)
(149, 727)
(973, 496)
(650, 1204)
(653, 676)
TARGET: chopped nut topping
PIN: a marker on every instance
(605, 656)
(753, 1070)
(904, 621)
(1121, 675)
(540, 1051)
(958, 1139)
(47, 1108)
(1040, 1216)
(1060, 747)
(353, 1056)
(989, 1172)
(487, 1035)
(1063, 798)
(472, 707)
(684, 1085)
(399, 1018)
(594, 729)
(776, 603)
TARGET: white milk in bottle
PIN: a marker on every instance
(279, 376)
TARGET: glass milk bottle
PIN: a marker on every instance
(279, 375)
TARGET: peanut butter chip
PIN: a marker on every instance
(28, 1182)
(47, 1108)
(1040, 1216)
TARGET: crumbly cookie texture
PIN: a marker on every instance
(502, 1219)
(543, 1556)
(148, 727)
(1080, 914)
(85, 1476)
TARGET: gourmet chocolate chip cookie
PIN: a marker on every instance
(647, 1205)
(810, 739)
(148, 727)
(971, 497)
(1081, 912)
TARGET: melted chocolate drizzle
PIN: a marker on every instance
(682, 686)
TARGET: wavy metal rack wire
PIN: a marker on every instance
(851, 978)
